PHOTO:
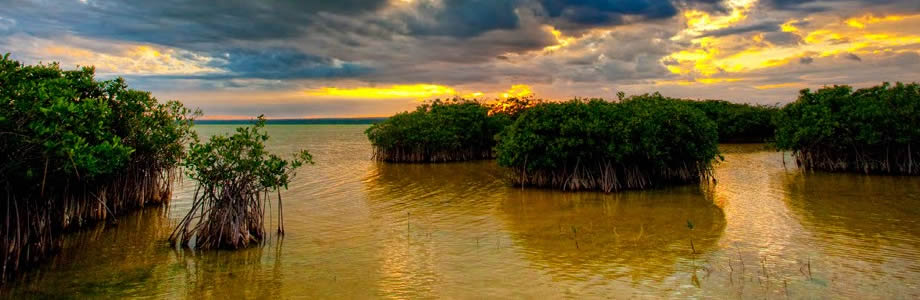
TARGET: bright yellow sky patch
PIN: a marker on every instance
(518, 90)
(561, 40)
(790, 26)
(473, 95)
(861, 22)
(699, 22)
(415, 91)
(710, 56)
(394, 91)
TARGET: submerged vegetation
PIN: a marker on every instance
(869, 130)
(740, 123)
(641, 142)
(439, 131)
(236, 177)
(74, 150)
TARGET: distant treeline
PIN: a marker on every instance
(321, 121)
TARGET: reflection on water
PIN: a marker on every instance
(130, 262)
(869, 222)
(635, 234)
(361, 229)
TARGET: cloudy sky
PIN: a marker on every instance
(349, 58)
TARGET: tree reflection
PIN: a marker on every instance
(639, 234)
(865, 219)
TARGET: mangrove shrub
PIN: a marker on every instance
(869, 130)
(236, 177)
(641, 142)
(439, 131)
(740, 123)
(74, 150)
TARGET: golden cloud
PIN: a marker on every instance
(415, 91)
(390, 92)
(826, 37)
(131, 59)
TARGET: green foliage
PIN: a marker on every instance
(224, 160)
(82, 128)
(235, 174)
(439, 131)
(643, 141)
(75, 150)
(740, 122)
(869, 130)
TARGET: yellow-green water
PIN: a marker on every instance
(361, 229)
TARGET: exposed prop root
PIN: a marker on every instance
(236, 178)
(608, 177)
(33, 227)
(226, 217)
(429, 156)
(889, 160)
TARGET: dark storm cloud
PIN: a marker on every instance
(806, 60)
(579, 14)
(285, 63)
(603, 12)
(463, 18)
(178, 22)
(201, 27)
(275, 63)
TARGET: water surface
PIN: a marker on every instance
(361, 229)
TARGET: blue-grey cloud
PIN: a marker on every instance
(592, 12)
(463, 18)
(285, 63)
(574, 14)
(178, 22)
(768, 26)
(273, 63)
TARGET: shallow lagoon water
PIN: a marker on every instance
(362, 229)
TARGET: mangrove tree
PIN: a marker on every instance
(640, 142)
(236, 178)
(869, 130)
(74, 150)
(740, 123)
(438, 131)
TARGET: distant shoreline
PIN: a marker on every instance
(318, 121)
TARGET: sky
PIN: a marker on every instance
(365, 58)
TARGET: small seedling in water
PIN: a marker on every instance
(690, 226)
(575, 237)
